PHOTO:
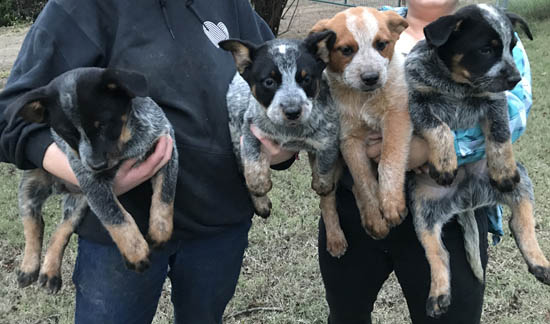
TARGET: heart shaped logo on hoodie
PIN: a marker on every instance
(215, 33)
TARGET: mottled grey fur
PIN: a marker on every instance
(146, 122)
(316, 132)
(435, 99)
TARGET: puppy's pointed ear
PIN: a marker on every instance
(243, 52)
(319, 26)
(437, 33)
(32, 106)
(320, 44)
(396, 23)
(515, 19)
(133, 84)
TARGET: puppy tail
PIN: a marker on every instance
(468, 223)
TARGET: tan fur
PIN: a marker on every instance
(442, 151)
(523, 227)
(54, 254)
(34, 231)
(436, 255)
(384, 109)
(258, 175)
(337, 61)
(500, 158)
(161, 214)
(336, 240)
(458, 72)
(128, 238)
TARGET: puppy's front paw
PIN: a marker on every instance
(541, 273)
(322, 186)
(259, 186)
(262, 206)
(373, 222)
(160, 229)
(336, 243)
(443, 177)
(51, 282)
(506, 180)
(26, 278)
(438, 305)
(394, 208)
(136, 255)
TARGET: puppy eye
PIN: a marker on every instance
(306, 80)
(381, 45)
(269, 83)
(487, 50)
(346, 50)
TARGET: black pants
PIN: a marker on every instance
(353, 281)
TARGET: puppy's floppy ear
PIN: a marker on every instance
(243, 52)
(319, 26)
(396, 23)
(32, 106)
(320, 44)
(437, 33)
(514, 19)
(132, 83)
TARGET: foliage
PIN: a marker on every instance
(13, 11)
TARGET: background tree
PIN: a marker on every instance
(271, 11)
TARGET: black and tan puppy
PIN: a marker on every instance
(99, 119)
(457, 78)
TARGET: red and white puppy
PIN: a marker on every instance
(366, 77)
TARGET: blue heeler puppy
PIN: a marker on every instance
(457, 78)
(279, 88)
(98, 118)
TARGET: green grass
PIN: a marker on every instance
(280, 277)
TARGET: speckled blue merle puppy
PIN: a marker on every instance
(279, 88)
(457, 78)
(99, 118)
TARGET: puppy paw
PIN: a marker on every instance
(138, 266)
(160, 231)
(322, 188)
(394, 208)
(443, 177)
(505, 181)
(262, 206)
(50, 282)
(26, 278)
(374, 224)
(136, 255)
(336, 243)
(541, 273)
(438, 305)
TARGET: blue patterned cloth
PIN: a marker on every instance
(470, 143)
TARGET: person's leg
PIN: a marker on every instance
(204, 274)
(352, 281)
(107, 292)
(413, 273)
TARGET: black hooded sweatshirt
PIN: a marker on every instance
(174, 44)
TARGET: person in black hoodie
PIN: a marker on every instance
(174, 44)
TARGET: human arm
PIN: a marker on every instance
(128, 176)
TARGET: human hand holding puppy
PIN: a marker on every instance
(129, 174)
(275, 152)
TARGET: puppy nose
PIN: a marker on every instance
(512, 81)
(370, 78)
(98, 165)
(292, 113)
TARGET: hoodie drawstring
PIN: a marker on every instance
(166, 19)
